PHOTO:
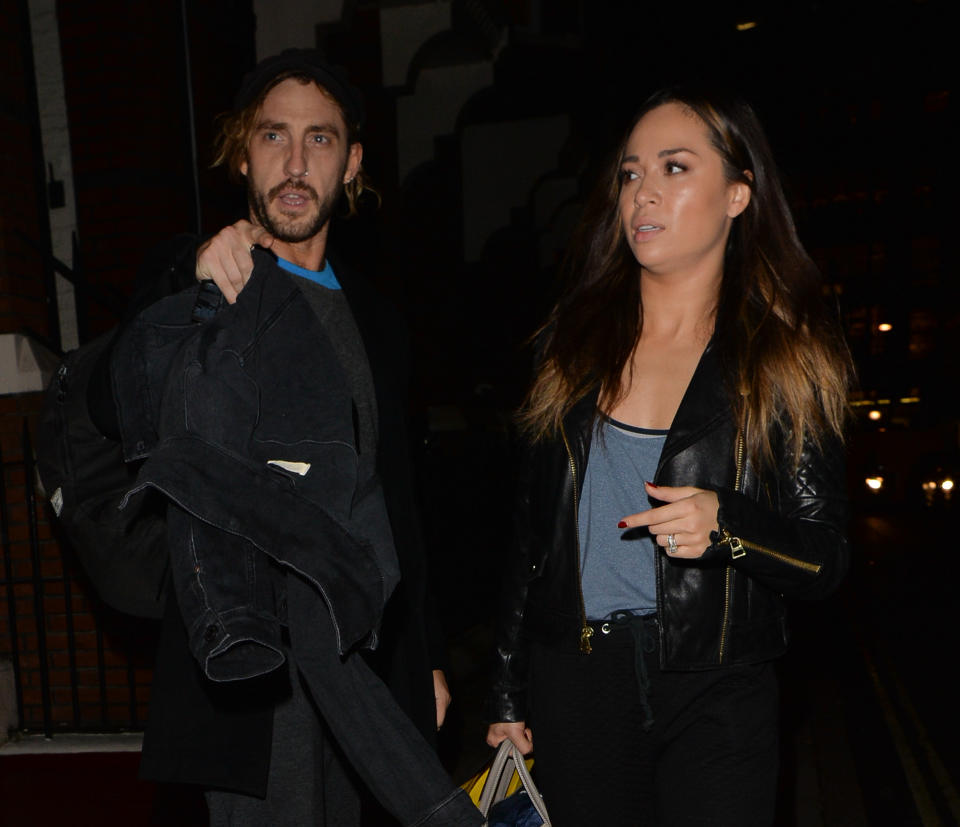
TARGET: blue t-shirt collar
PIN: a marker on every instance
(325, 277)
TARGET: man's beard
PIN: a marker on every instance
(292, 229)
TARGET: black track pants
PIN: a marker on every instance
(710, 757)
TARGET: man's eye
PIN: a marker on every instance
(271, 136)
(321, 139)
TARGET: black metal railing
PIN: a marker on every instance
(116, 662)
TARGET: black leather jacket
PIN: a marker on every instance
(781, 536)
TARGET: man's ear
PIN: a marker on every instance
(354, 159)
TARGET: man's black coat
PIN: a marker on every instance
(219, 736)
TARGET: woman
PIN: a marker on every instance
(689, 348)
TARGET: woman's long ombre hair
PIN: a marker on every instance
(789, 364)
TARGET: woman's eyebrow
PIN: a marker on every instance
(663, 153)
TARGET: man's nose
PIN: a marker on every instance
(296, 166)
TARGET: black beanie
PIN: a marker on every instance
(312, 63)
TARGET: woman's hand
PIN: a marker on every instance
(516, 731)
(690, 515)
(225, 259)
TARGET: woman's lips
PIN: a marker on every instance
(646, 230)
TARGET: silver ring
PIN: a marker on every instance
(671, 544)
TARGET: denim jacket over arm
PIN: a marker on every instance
(258, 457)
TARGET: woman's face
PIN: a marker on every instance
(676, 204)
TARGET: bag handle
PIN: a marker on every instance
(499, 780)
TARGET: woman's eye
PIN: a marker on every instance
(271, 136)
(628, 175)
(673, 167)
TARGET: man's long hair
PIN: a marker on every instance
(789, 364)
(236, 130)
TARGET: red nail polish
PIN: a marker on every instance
(622, 524)
(652, 485)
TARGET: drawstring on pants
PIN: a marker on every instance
(644, 643)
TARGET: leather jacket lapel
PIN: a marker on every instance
(704, 407)
(578, 426)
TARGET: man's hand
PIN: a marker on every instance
(516, 731)
(225, 259)
(690, 515)
(441, 692)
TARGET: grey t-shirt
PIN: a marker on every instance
(617, 564)
(326, 299)
(323, 294)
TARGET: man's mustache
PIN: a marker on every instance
(292, 184)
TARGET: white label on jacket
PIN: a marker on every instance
(57, 501)
(300, 468)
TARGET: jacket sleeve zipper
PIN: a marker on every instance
(586, 632)
(739, 546)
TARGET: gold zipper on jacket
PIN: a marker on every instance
(741, 449)
(728, 582)
(585, 631)
(739, 546)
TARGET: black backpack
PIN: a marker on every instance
(124, 552)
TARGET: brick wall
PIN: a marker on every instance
(125, 76)
(123, 81)
(126, 94)
(104, 683)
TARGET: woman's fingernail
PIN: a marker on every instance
(622, 524)
(652, 485)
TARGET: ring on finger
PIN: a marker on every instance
(671, 544)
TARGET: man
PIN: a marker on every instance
(279, 443)
(299, 219)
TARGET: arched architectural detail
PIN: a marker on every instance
(444, 74)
